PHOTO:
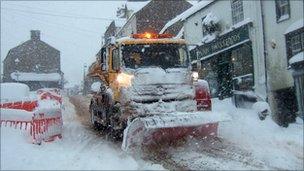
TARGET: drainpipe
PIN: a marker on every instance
(264, 46)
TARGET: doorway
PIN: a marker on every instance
(225, 75)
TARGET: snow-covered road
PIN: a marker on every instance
(80, 149)
(245, 143)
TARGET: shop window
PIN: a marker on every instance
(294, 42)
(242, 64)
(237, 11)
(282, 10)
(302, 40)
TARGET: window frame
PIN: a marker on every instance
(289, 44)
(295, 41)
(237, 11)
(302, 39)
(279, 6)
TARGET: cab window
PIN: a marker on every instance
(115, 60)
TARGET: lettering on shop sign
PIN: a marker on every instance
(224, 41)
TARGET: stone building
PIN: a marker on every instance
(34, 63)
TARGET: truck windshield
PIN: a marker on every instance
(160, 55)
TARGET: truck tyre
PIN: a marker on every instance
(94, 123)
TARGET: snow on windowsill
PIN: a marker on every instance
(209, 38)
(237, 25)
(297, 58)
(295, 26)
(283, 17)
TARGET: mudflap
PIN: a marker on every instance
(169, 128)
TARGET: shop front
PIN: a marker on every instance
(227, 63)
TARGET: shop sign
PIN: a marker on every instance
(224, 41)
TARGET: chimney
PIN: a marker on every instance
(35, 34)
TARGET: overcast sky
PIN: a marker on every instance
(78, 39)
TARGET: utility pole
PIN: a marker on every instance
(84, 70)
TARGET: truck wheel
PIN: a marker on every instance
(95, 124)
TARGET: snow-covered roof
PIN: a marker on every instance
(136, 6)
(297, 58)
(180, 33)
(31, 76)
(296, 25)
(196, 7)
(120, 22)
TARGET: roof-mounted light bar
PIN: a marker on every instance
(151, 36)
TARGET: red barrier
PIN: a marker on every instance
(25, 105)
(45, 125)
(41, 128)
(46, 129)
(53, 94)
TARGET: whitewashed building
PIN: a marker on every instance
(241, 47)
(284, 38)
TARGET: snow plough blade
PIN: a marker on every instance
(169, 127)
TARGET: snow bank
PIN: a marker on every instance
(31, 76)
(297, 58)
(278, 147)
(80, 149)
(14, 91)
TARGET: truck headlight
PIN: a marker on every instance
(195, 76)
(124, 80)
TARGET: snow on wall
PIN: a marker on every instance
(31, 76)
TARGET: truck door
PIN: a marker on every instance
(114, 67)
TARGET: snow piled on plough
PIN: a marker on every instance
(171, 126)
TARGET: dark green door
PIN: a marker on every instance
(225, 75)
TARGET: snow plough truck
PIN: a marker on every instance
(147, 93)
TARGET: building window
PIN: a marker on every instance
(237, 11)
(294, 42)
(282, 10)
